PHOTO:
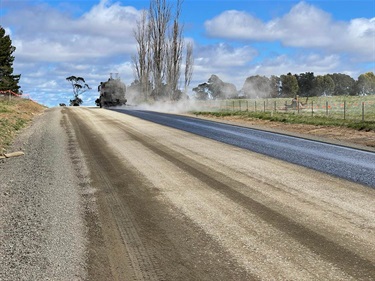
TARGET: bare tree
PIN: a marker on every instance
(189, 63)
(159, 16)
(159, 51)
(174, 54)
(142, 60)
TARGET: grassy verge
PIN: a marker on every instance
(293, 118)
(15, 113)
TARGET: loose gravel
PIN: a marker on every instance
(42, 230)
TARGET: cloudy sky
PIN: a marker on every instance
(233, 39)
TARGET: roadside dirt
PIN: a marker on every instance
(15, 114)
(338, 135)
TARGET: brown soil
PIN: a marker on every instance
(15, 113)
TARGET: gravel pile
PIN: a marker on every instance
(42, 230)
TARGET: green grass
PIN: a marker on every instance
(351, 112)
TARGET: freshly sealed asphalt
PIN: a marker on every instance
(340, 161)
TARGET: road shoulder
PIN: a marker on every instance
(42, 227)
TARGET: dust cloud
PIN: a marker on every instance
(177, 107)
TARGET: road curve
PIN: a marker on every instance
(176, 206)
(348, 163)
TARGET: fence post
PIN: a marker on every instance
(297, 104)
(264, 106)
(247, 105)
(327, 108)
(239, 102)
(363, 111)
(344, 109)
(233, 105)
(275, 106)
(312, 108)
(255, 106)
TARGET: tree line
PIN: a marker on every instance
(289, 85)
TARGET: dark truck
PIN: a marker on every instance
(112, 92)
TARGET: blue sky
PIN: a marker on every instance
(232, 39)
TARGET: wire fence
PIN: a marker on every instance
(346, 108)
(8, 95)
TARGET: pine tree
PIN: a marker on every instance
(8, 81)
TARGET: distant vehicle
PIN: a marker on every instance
(112, 92)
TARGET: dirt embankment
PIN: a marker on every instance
(15, 113)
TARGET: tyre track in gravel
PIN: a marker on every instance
(145, 240)
(349, 262)
(138, 266)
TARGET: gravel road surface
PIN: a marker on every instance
(101, 195)
(42, 229)
(342, 161)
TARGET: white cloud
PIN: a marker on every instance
(45, 34)
(237, 25)
(222, 59)
(52, 44)
(304, 26)
(298, 64)
(109, 20)
(223, 55)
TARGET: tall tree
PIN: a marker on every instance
(324, 85)
(159, 52)
(275, 86)
(159, 16)
(79, 86)
(305, 84)
(257, 87)
(174, 54)
(215, 89)
(289, 85)
(8, 81)
(220, 89)
(189, 64)
(365, 84)
(344, 84)
(142, 62)
(202, 92)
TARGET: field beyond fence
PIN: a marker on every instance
(344, 111)
(344, 108)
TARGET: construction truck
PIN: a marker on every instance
(112, 92)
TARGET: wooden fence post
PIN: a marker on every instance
(363, 111)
